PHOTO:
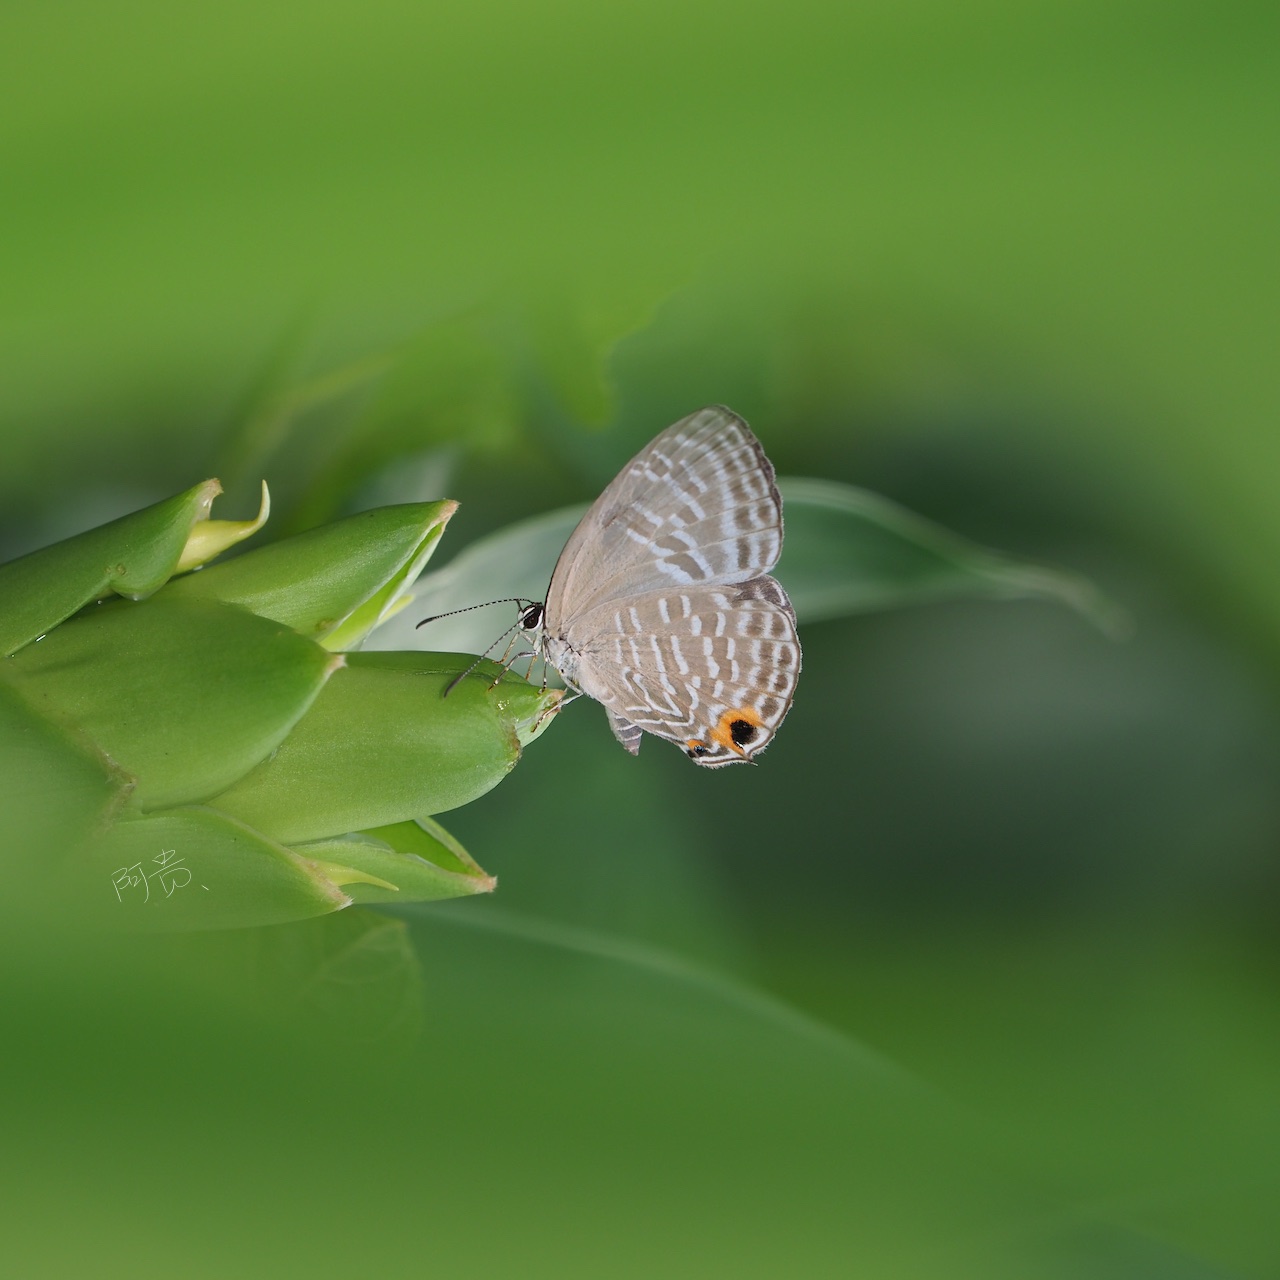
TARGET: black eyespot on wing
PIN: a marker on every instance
(742, 732)
(695, 751)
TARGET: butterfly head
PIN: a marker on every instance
(528, 619)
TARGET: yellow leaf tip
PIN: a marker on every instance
(209, 538)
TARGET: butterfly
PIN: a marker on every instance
(661, 606)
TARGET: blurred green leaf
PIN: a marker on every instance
(417, 865)
(352, 977)
(55, 786)
(848, 551)
(333, 583)
(273, 409)
(452, 382)
(196, 868)
(382, 744)
(845, 551)
(132, 556)
(574, 331)
(187, 695)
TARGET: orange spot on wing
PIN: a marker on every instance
(723, 732)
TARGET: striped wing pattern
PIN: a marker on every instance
(697, 505)
(661, 606)
(712, 669)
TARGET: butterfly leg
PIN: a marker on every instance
(508, 663)
(533, 655)
(461, 676)
(571, 695)
(503, 664)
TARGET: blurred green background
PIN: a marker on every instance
(977, 973)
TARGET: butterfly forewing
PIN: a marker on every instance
(697, 505)
(710, 668)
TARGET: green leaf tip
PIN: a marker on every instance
(133, 557)
(395, 593)
(334, 583)
(210, 538)
(342, 876)
(414, 861)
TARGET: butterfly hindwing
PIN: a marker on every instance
(712, 669)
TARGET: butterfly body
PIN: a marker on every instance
(661, 606)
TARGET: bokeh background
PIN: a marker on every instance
(977, 973)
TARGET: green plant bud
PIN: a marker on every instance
(383, 744)
(334, 583)
(185, 695)
(133, 556)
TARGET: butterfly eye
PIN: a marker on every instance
(531, 618)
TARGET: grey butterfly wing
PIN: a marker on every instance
(698, 504)
(712, 669)
(625, 731)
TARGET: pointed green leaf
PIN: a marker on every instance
(187, 695)
(391, 597)
(132, 556)
(195, 868)
(415, 863)
(382, 744)
(336, 581)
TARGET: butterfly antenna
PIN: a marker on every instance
(458, 679)
(435, 617)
